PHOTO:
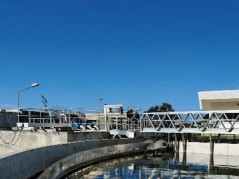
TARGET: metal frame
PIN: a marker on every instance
(217, 122)
(191, 122)
(55, 118)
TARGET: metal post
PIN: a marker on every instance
(176, 143)
(184, 139)
(211, 163)
(211, 144)
(98, 110)
(184, 160)
(105, 111)
(140, 123)
(18, 112)
(18, 97)
(117, 124)
(168, 138)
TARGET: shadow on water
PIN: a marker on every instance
(179, 165)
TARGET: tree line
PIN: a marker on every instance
(164, 107)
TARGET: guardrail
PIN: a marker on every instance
(73, 120)
(164, 122)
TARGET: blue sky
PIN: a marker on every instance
(137, 53)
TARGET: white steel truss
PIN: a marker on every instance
(218, 122)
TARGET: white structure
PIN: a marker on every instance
(219, 100)
(116, 109)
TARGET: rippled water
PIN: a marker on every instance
(164, 167)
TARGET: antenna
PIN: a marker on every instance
(44, 101)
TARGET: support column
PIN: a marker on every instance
(218, 138)
(176, 149)
(211, 164)
(211, 160)
(176, 143)
(176, 159)
(168, 138)
(184, 160)
(184, 140)
(211, 140)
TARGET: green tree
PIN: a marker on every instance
(164, 107)
(132, 114)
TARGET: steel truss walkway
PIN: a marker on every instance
(217, 122)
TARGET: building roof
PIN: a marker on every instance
(209, 98)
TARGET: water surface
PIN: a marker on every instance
(164, 167)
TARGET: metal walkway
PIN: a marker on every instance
(217, 122)
(120, 123)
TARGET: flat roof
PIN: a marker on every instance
(218, 96)
(223, 94)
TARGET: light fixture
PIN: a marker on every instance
(18, 96)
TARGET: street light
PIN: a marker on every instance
(18, 94)
(101, 99)
(98, 110)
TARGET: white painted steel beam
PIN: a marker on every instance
(217, 122)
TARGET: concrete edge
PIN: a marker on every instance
(28, 163)
(87, 158)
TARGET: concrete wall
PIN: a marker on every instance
(204, 159)
(204, 148)
(27, 140)
(82, 136)
(27, 163)
(199, 153)
(86, 158)
(219, 105)
(232, 105)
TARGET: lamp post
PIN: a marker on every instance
(98, 110)
(101, 99)
(18, 95)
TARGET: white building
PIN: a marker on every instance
(219, 100)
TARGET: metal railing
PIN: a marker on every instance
(76, 120)
(124, 123)
(52, 118)
(162, 122)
